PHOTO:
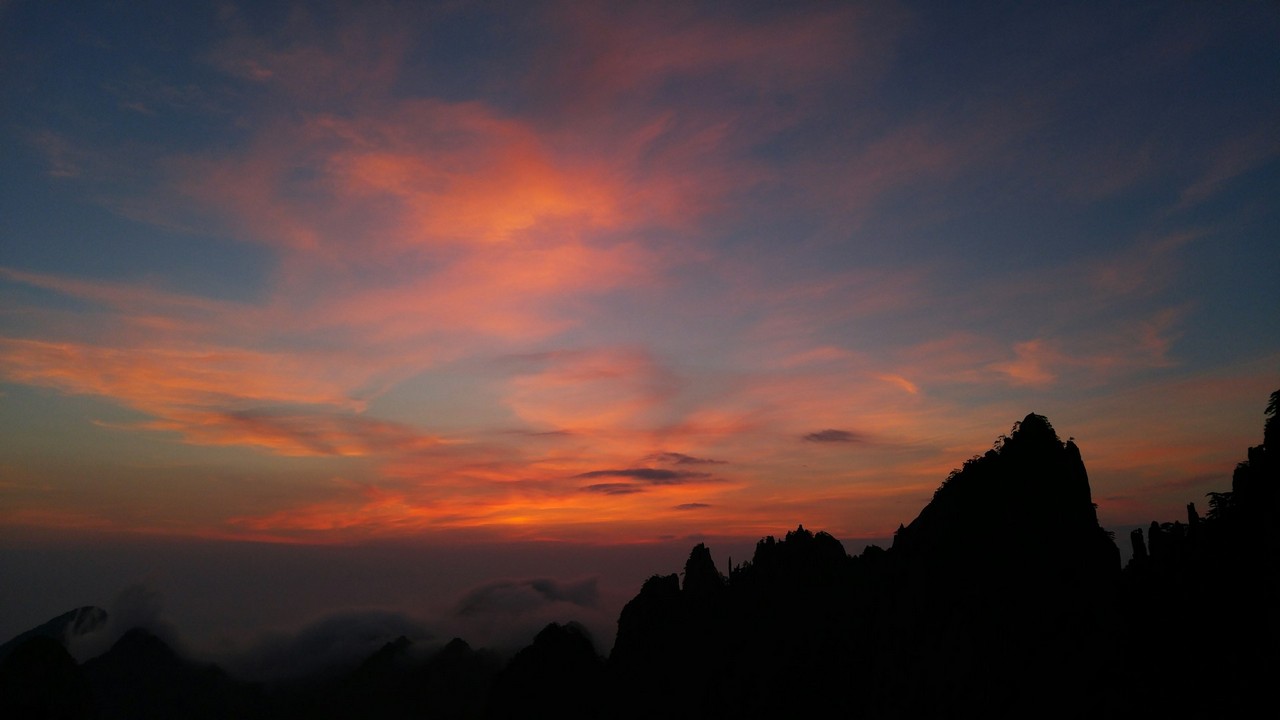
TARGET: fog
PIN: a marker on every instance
(265, 610)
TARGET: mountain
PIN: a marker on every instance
(1002, 588)
(1002, 598)
(40, 679)
(1024, 508)
(559, 675)
(1200, 598)
(142, 677)
(63, 629)
(995, 597)
(399, 681)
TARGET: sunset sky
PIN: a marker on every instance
(614, 274)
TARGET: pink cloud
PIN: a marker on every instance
(590, 390)
(898, 380)
(1125, 348)
(1032, 363)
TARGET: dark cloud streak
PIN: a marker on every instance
(831, 435)
(614, 488)
(675, 458)
(655, 476)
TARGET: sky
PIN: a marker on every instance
(485, 277)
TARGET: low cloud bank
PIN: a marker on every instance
(506, 614)
(332, 644)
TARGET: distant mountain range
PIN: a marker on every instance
(1004, 598)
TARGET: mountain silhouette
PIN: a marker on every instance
(1004, 597)
(399, 680)
(40, 679)
(1023, 507)
(142, 677)
(1201, 597)
(559, 675)
(64, 628)
(1005, 573)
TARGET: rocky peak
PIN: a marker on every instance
(1025, 503)
(700, 575)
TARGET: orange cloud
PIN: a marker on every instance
(295, 432)
(597, 390)
(418, 179)
(511, 294)
(905, 384)
(514, 509)
(159, 377)
(457, 173)
(415, 235)
(215, 396)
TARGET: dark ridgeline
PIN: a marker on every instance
(40, 679)
(142, 677)
(558, 676)
(395, 682)
(995, 599)
(1004, 597)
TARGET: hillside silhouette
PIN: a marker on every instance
(1004, 597)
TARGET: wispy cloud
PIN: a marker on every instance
(217, 396)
